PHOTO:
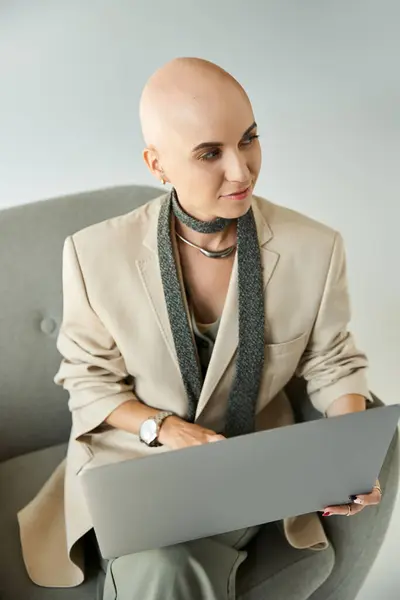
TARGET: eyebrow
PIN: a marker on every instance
(219, 144)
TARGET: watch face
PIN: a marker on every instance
(148, 431)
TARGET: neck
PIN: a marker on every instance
(211, 234)
(209, 241)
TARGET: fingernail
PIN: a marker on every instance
(353, 498)
(326, 514)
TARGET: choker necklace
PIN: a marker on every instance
(209, 253)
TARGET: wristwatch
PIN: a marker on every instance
(150, 429)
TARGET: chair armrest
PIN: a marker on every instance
(296, 391)
(357, 540)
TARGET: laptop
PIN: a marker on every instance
(181, 495)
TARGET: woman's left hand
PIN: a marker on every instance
(356, 504)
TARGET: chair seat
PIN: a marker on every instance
(20, 480)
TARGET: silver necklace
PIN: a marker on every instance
(209, 253)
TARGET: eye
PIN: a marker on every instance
(212, 155)
(249, 140)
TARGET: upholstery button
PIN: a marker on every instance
(48, 326)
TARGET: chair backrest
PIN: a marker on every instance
(33, 410)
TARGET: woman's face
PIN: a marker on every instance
(211, 152)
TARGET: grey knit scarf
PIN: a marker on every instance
(240, 416)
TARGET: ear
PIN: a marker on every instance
(151, 158)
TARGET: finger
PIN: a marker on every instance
(367, 499)
(342, 509)
(216, 438)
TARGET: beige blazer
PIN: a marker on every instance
(116, 344)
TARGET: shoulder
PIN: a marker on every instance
(291, 229)
(130, 227)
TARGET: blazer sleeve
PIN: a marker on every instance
(331, 364)
(92, 368)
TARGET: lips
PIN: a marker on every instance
(239, 192)
(240, 195)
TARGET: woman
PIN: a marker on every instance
(183, 321)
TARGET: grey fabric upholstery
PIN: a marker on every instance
(274, 569)
(35, 423)
(31, 240)
(357, 540)
(20, 479)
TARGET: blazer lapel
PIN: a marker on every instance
(149, 273)
(227, 338)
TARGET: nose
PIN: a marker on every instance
(237, 168)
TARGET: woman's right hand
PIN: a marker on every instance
(177, 433)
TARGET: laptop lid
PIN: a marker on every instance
(176, 496)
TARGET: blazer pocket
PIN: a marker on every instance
(281, 361)
(296, 346)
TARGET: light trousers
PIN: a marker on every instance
(206, 569)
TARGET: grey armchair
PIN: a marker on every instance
(35, 422)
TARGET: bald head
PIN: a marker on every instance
(200, 135)
(179, 93)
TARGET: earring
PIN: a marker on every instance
(163, 181)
